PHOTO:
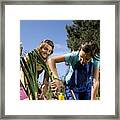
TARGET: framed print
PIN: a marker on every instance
(36, 36)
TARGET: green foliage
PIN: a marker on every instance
(21, 49)
(82, 30)
(33, 90)
(43, 64)
(30, 72)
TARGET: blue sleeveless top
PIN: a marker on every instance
(79, 76)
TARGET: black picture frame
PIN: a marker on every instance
(2, 60)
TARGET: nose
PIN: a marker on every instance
(83, 61)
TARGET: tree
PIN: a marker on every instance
(82, 30)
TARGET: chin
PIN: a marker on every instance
(44, 57)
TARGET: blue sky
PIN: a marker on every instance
(32, 32)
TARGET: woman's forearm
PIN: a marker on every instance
(52, 66)
(95, 89)
(95, 84)
(56, 83)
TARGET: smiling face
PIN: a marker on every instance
(84, 57)
(46, 50)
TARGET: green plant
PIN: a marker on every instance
(28, 66)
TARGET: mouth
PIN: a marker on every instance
(82, 62)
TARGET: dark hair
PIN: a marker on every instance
(89, 47)
(49, 42)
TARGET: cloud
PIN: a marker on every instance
(60, 46)
(60, 49)
(56, 53)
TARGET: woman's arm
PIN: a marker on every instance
(56, 83)
(45, 83)
(95, 84)
(52, 64)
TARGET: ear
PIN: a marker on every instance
(51, 52)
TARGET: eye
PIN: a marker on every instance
(81, 56)
(49, 51)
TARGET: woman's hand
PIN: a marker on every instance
(56, 85)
